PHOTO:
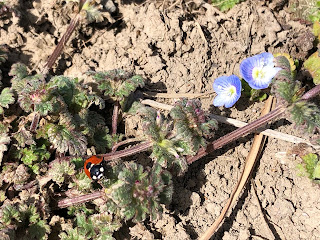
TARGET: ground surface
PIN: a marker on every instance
(182, 48)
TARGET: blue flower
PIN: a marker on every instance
(258, 70)
(228, 90)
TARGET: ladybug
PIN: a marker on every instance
(93, 168)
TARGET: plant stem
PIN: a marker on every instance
(127, 152)
(80, 199)
(311, 93)
(35, 122)
(115, 116)
(129, 140)
(240, 132)
(236, 134)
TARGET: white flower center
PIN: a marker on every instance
(258, 73)
(231, 91)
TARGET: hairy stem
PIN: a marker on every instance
(311, 93)
(236, 134)
(80, 199)
(35, 122)
(119, 154)
(129, 140)
(115, 116)
(127, 152)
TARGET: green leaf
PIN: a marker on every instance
(312, 166)
(66, 139)
(305, 114)
(117, 84)
(140, 193)
(59, 169)
(316, 29)
(44, 108)
(18, 71)
(316, 172)
(310, 160)
(312, 64)
(224, 5)
(33, 155)
(6, 98)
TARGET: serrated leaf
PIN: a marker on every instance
(64, 139)
(316, 172)
(18, 71)
(306, 114)
(60, 169)
(6, 97)
(44, 108)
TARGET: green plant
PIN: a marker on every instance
(225, 5)
(306, 9)
(60, 119)
(311, 166)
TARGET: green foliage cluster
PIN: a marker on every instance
(56, 116)
(22, 221)
(117, 84)
(97, 226)
(305, 9)
(180, 134)
(62, 105)
(225, 5)
(311, 166)
(288, 91)
(138, 192)
(130, 193)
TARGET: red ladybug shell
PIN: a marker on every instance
(94, 160)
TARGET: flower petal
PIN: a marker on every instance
(258, 70)
(228, 90)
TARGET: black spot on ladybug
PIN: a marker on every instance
(88, 165)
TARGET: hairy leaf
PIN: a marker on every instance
(117, 84)
(307, 115)
(34, 155)
(6, 98)
(59, 169)
(140, 193)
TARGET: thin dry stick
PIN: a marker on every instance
(237, 123)
(267, 132)
(57, 51)
(250, 162)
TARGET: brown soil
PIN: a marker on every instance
(182, 48)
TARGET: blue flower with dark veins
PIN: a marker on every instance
(259, 70)
(228, 89)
